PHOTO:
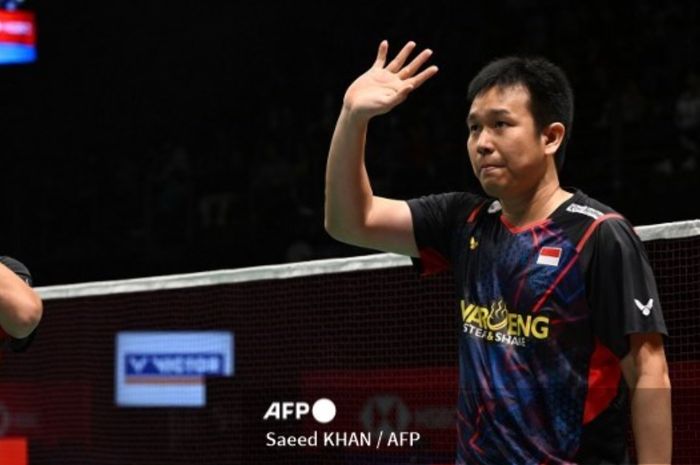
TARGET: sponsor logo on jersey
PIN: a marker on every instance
(584, 210)
(549, 256)
(494, 207)
(473, 243)
(644, 308)
(497, 324)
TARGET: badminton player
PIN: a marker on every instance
(20, 307)
(560, 324)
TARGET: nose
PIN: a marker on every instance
(484, 144)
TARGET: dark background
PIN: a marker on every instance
(168, 137)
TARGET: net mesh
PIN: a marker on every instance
(676, 265)
(381, 343)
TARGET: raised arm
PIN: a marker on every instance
(353, 214)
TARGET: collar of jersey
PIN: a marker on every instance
(539, 223)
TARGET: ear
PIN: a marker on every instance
(552, 136)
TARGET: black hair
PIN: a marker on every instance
(551, 95)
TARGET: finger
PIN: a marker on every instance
(381, 54)
(411, 68)
(423, 76)
(400, 59)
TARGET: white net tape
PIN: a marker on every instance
(654, 232)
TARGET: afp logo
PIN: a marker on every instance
(323, 411)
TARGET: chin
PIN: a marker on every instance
(492, 189)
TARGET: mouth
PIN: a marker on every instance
(489, 168)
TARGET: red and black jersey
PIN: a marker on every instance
(544, 315)
(16, 345)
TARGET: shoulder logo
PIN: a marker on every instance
(644, 308)
(584, 210)
(549, 256)
(494, 207)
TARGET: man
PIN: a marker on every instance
(557, 300)
(20, 307)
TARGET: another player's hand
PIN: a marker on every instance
(384, 86)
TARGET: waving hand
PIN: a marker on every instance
(384, 86)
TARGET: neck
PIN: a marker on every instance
(535, 204)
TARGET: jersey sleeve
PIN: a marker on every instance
(621, 288)
(436, 219)
(17, 345)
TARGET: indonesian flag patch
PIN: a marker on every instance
(549, 256)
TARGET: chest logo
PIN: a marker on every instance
(549, 256)
(473, 243)
(644, 308)
(497, 324)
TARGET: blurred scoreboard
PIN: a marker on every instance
(17, 37)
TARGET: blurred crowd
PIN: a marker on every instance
(239, 191)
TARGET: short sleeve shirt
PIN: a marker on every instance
(544, 312)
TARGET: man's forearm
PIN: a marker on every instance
(651, 419)
(348, 190)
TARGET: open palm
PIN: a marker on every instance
(384, 86)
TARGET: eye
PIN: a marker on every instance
(473, 127)
(501, 124)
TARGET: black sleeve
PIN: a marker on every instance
(18, 267)
(19, 345)
(621, 288)
(435, 219)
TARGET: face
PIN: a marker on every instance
(507, 153)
